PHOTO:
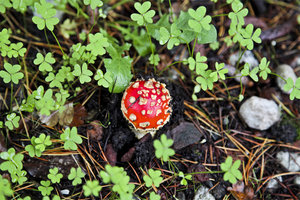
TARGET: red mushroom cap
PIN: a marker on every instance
(145, 104)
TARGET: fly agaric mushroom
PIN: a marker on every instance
(145, 104)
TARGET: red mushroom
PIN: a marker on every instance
(146, 105)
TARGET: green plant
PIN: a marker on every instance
(14, 50)
(83, 73)
(249, 36)
(71, 138)
(184, 178)
(154, 196)
(47, 12)
(172, 37)
(91, 188)
(5, 189)
(162, 148)
(93, 3)
(54, 176)
(103, 80)
(12, 121)
(42, 142)
(19, 176)
(294, 86)
(76, 175)
(45, 188)
(153, 178)
(120, 181)
(145, 15)
(232, 172)
(12, 73)
(199, 22)
(44, 62)
(97, 44)
(13, 161)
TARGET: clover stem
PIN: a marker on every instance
(58, 43)
(151, 45)
(11, 94)
(171, 10)
(194, 46)
(238, 62)
(159, 8)
(164, 69)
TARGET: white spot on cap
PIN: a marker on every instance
(149, 112)
(164, 90)
(136, 85)
(142, 101)
(139, 92)
(157, 85)
(143, 112)
(149, 84)
(158, 112)
(159, 122)
(163, 97)
(153, 96)
(132, 117)
(153, 91)
(144, 124)
(132, 99)
(158, 91)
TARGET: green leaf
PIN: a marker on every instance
(253, 74)
(144, 15)
(12, 73)
(154, 59)
(162, 148)
(92, 188)
(97, 44)
(83, 73)
(71, 138)
(93, 3)
(76, 175)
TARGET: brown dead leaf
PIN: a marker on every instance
(241, 192)
(79, 115)
(96, 130)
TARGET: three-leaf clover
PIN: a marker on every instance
(5, 189)
(249, 36)
(45, 188)
(93, 3)
(47, 12)
(153, 178)
(154, 59)
(154, 196)
(103, 79)
(31, 148)
(12, 121)
(76, 175)
(13, 161)
(205, 80)
(184, 178)
(45, 102)
(198, 64)
(3, 5)
(19, 176)
(238, 14)
(162, 148)
(55, 80)
(145, 15)
(171, 37)
(199, 21)
(16, 50)
(44, 62)
(232, 172)
(220, 72)
(83, 72)
(295, 88)
(97, 44)
(71, 138)
(253, 74)
(92, 188)
(264, 68)
(42, 142)
(12, 73)
(54, 176)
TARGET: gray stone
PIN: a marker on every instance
(184, 135)
(259, 113)
(273, 183)
(297, 180)
(286, 72)
(203, 194)
(232, 71)
(291, 161)
(248, 57)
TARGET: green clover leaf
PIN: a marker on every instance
(153, 178)
(205, 80)
(5, 188)
(12, 73)
(54, 176)
(16, 50)
(198, 64)
(232, 172)
(249, 36)
(264, 68)
(295, 88)
(253, 74)
(42, 142)
(154, 59)
(55, 80)
(154, 196)
(76, 175)
(13, 161)
(103, 80)
(220, 72)
(12, 121)
(199, 21)
(93, 3)
(97, 44)
(44, 62)
(47, 12)
(162, 148)
(172, 38)
(246, 70)
(45, 188)
(145, 14)
(71, 138)
(83, 73)
(3, 5)
(91, 188)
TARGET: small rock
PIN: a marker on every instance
(248, 57)
(297, 180)
(273, 183)
(259, 113)
(203, 194)
(286, 72)
(232, 71)
(180, 196)
(184, 135)
(291, 161)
